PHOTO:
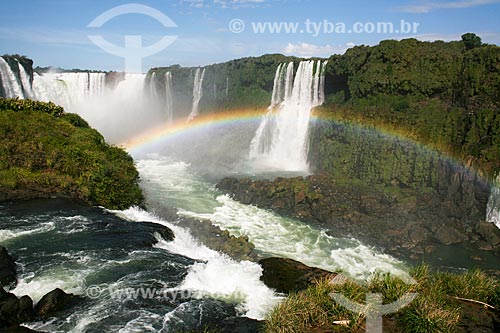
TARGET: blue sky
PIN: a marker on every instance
(55, 32)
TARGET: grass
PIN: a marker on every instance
(435, 309)
(45, 151)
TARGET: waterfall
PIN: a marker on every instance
(197, 92)
(169, 97)
(152, 87)
(11, 86)
(493, 209)
(68, 89)
(227, 86)
(280, 142)
(26, 82)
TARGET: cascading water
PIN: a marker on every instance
(11, 86)
(169, 97)
(280, 142)
(197, 92)
(113, 112)
(152, 87)
(68, 89)
(493, 208)
(26, 82)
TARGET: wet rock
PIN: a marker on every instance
(13, 310)
(287, 275)
(418, 234)
(448, 235)
(54, 301)
(240, 325)
(162, 230)
(19, 329)
(139, 234)
(489, 232)
(239, 248)
(198, 316)
(7, 268)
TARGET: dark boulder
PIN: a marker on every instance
(54, 301)
(139, 234)
(240, 325)
(19, 329)
(13, 310)
(7, 268)
(162, 230)
(287, 275)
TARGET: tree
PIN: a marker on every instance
(471, 41)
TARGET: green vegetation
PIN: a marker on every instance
(241, 83)
(471, 41)
(45, 152)
(445, 95)
(435, 309)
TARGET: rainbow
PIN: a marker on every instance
(203, 121)
(221, 118)
(241, 116)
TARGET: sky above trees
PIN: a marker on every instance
(200, 32)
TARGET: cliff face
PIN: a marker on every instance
(241, 83)
(349, 152)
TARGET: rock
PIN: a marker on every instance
(13, 310)
(448, 235)
(19, 329)
(239, 248)
(475, 318)
(489, 232)
(240, 325)
(287, 275)
(162, 230)
(7, 269)
(54, 301)
(201, 315)
(418, 234)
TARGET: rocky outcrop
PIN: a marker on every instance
(164, 232)
(403, 221)
(17, 310)
(13, 310)
(7, 269)
(54, 301)
(287, 275)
